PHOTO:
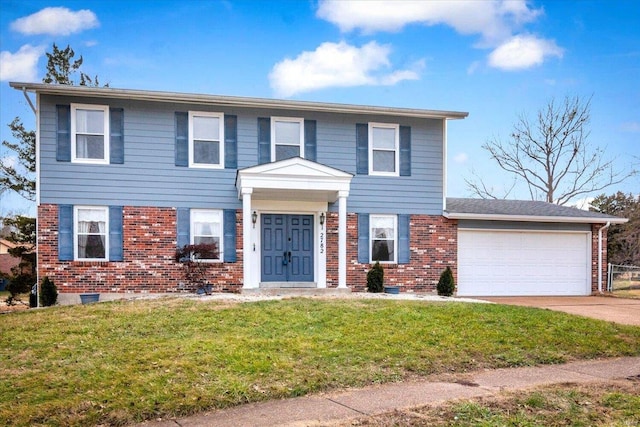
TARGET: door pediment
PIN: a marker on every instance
(293, 179)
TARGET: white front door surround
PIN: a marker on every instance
(292, 186)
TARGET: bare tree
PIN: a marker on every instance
(552, 155)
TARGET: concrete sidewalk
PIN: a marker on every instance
(337, 406)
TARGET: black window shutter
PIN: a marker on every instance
(310, 140)
(115, 234)
(362, 149)
(182, 139)
(230, 142)
(363, 239)
(264, 140)
(63, 133)
(405, 151)
(183, 224)
(65, 232)
(404, 253)
(229, 235)
(116, 139)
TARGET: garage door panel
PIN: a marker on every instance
(523, 263)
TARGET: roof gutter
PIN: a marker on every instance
(232, 101)
(600, 255)
(533, 218)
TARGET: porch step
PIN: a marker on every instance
(297, 291)
(280, 285)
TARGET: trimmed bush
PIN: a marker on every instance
(375, 278)
(446, 285)
(48, 292)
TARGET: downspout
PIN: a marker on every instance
(600, 255)
(24, 92)
(35, 111)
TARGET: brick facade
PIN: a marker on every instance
(149, 246)
(149, 242)
(433, 246)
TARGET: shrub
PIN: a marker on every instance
(375, 278)
(19, 284)
(194, 269)
(446, 285)
(48, 292)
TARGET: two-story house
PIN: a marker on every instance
(295, 195)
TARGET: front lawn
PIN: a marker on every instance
(122, 362)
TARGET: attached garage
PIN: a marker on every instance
(522, 248)
(505, 262)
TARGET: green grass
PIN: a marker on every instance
(122, 362)
(615, 403)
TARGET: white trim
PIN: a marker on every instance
(396, 150)
(220, 215)
(298, 120)
(444, 165)
(37, 155)
(533, 218)
(233, 101)
(106, 133)
(220, 140)
(105, 209)
(395, 238)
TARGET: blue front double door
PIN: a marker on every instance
(287, 248)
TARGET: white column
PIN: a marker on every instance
(342, 239)
(247, 254)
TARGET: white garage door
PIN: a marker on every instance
(523, 263)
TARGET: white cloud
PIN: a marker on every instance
(522, 52)
(633, 127)
(493, 19)
(22, 65)
(9, 161)
(461, 158)
(338, 65)
(56, 21)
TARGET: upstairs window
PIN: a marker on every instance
(206, 228)
(89, 133)
(206, 139)
(287, 136)
(91, 233)
(383, 149)
(383, 238)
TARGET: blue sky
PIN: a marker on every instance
(493, 59)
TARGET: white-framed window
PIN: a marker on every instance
(206, 228)
(90, 133)
(384, 149)
(287, 138)
(91, 233)
(206, 139)
(383, 236)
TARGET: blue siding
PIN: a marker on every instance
(149, 176)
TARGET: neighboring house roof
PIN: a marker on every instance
(232, 101)
(522, 210)
(7, 262)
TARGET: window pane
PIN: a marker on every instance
(206, 128)
(382, 250)
(287, 151)
(384, 161)
(206, 152)
(90, 121)
(287, 133)
(91, 230)
(89, 146)
(384, 138)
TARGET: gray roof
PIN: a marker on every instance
(522, 210)
(232, 101)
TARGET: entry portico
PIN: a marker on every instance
(284, 208)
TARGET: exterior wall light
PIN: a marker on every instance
(254, 218)
(322, 218)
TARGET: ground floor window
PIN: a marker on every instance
(383, 238)
(91, 233)
(206, 228)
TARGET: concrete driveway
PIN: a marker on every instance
(619, 310)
